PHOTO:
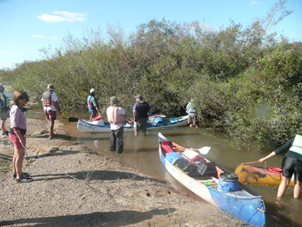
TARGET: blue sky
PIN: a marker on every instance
(27, 26)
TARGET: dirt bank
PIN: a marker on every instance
(75, 186)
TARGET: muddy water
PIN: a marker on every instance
(142, 153)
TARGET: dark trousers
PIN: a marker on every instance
(117, 140)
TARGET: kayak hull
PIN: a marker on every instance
(255, 175)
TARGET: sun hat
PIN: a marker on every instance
(113, 100)
(50, 87)
(139, 97)
(92, 90)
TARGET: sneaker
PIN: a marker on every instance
(25, 174)
(5, 133)
(23, 179)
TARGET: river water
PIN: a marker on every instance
(142, 153)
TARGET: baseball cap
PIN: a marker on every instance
(139, 97)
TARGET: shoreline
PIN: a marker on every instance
(76, 186)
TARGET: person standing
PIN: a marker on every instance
(115, 116)
(291, 164)
(141, 110)
(92, 103)
(192, 114)
(4, 108)
(17, 133)
(51, 106)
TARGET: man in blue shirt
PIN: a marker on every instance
(92, 103)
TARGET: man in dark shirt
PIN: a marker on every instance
(291, 164)
(141, 110)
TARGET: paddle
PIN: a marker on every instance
(203, 150)
(70, 119)
(201, 167)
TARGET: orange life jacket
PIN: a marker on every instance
(47, 102)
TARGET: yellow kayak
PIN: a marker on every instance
(255, 175)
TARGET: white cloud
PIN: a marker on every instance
(39, 36)
(44, 37)
(60, 16)
(5, 52)
(254, 3)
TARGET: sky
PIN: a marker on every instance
(28, 26)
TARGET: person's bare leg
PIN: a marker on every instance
(51, 127)
(297, 189)
(14, 162)
(19, 155)
(283, 185)
(3, 129)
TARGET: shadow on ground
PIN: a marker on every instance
(119, 218)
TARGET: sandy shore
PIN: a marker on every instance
(75, 186)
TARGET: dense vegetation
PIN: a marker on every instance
(246, 78)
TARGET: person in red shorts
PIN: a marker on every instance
(51, 107)
(17, 133)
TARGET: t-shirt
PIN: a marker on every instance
(286, 147)
(17, 118)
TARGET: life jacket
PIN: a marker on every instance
(297, 145)
(141, 110)
(90, 104)
(4, 100)
(113, 116)
(191, 108)
(47, 102)
(4, 103)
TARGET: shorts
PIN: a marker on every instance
(93, 113)
(292, 166)
(140, 125)
(192, 119)
(50, 115)
(3, 116)
(15, 140)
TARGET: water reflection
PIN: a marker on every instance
(142, 153)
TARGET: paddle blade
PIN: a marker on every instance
(204, 150)
(73, 119)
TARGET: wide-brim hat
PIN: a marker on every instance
(50, 87)
(113, 100)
